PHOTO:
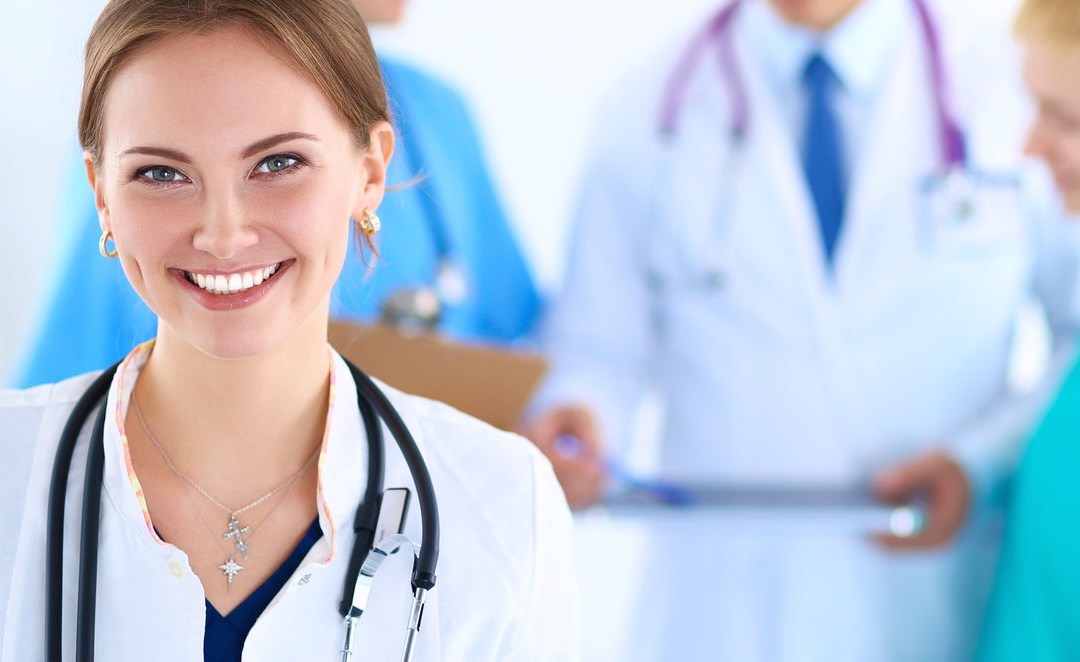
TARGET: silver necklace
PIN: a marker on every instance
(230, 567)
(235, 531)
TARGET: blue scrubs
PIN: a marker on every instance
(94, 318)
(223, 640)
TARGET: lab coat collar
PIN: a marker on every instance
(859, 49)
(342, 459)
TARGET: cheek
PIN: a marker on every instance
(143, 225)
(310, 216)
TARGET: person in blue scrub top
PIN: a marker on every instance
(1034, 612)
(444, 231)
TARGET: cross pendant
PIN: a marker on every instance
(236, 533)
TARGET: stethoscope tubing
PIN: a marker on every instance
(954, 151)
(370, 399)
(86, 618)
(54, 536)
(675, 88)
(367, 516)
(424, 571)
(718, 32)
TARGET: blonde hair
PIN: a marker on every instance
(326, 40)
(1054, 22)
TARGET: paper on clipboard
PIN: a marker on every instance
(492, 384)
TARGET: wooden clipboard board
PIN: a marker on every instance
(492, 384)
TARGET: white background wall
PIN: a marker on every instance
(532, 71)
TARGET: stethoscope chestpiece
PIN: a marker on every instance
(362, 592)
(957, 191)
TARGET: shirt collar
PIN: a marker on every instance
(859, 48)
(342, 459)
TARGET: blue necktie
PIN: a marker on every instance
(821, 154)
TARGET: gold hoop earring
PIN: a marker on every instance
(370, 223)
(103, 245)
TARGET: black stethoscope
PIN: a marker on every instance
(363, 561)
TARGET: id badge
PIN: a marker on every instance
(969, 212)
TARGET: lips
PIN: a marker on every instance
(223, 290)
(231, 283)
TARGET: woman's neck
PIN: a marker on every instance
(263, 414)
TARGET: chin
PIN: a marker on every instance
(234, 334)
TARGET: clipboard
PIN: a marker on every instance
(490, 383)
(772, 509)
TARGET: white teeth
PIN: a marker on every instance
(232, 283)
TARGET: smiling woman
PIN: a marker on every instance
(253, 170)
(229, 143)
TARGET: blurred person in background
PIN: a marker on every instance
(1034, 613)
(447, 255)
(808, 228)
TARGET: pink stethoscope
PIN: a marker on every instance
(951, 196)
(717, 33)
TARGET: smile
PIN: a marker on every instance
(231, 283)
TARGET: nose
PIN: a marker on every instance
(224, 228)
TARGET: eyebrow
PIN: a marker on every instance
(267, 143)
(249, 151)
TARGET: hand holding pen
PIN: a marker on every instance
(581, 472)
(570, 438)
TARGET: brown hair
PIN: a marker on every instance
(1055, 22)
(326, 40)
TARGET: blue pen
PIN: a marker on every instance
(664, 492)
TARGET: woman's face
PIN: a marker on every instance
(228, 182)
(1052, 76)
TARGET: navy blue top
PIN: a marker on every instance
(225, 635)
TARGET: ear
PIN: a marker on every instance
(375, 161)
(94, 175)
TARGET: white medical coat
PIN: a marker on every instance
(782, 371)
(506, 586)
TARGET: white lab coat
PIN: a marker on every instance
(786, 373)
(505, 591)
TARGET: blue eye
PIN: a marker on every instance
(162, 174)
(276, 163)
